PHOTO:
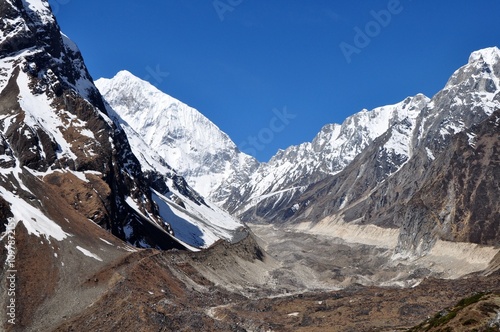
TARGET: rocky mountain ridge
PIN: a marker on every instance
(79, 186)
(182, 136)
(363, 170)
(210, 160)
(332, 150)
(379, 197)
(56, 134)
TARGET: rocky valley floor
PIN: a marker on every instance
(275, 280)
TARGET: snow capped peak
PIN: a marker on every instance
(53, 126)
(182, 136)
(163, 119)
(374, 122)
(39, 9)
(129, 79)
(291, 170)
(125, 74)
(490, 55)
(481, 74)
(126, 80)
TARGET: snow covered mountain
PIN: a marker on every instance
(433, 193)
(63, 159)
(80, 184)
(214, 166)
(189, 142)
(381, 142)
(292, 170)
(342, 172)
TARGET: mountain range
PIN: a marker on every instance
(122, 208)
(351, 172)
(56, 130)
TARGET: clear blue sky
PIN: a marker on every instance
(238, 60)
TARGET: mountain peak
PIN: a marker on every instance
(127, 78)
(125, 75)
(143, 93)
(490, 55)
(40, 9)
(480, 74)
(23, 22)
(182, 136)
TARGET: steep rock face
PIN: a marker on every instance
(368, 191)
(210, 161)
(457, 200)
(290, 172)
(54, 129)
(463, 103)
(471, 95)
(183, 137)
(466, 100)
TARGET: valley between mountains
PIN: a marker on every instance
(124, 209)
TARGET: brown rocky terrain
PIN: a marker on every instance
(478, 312)
(458, 198)
(176, 291)
(54, 122)
(416, 242)
(229, 287)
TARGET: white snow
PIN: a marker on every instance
(482, 99)
(197, 225)
(490, 55)
(39, 113)
(107, 242)
(41, 9)
(128, 230)
(472, 139)
(135, 206)
(180, 135)
(34, 220)
(333, 149)
(400, 142)
(89, 254)
(430, 155)
(191, 144)
(87, 132)
(129, 249)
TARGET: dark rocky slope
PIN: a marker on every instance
(75, 135)
(448, 186)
